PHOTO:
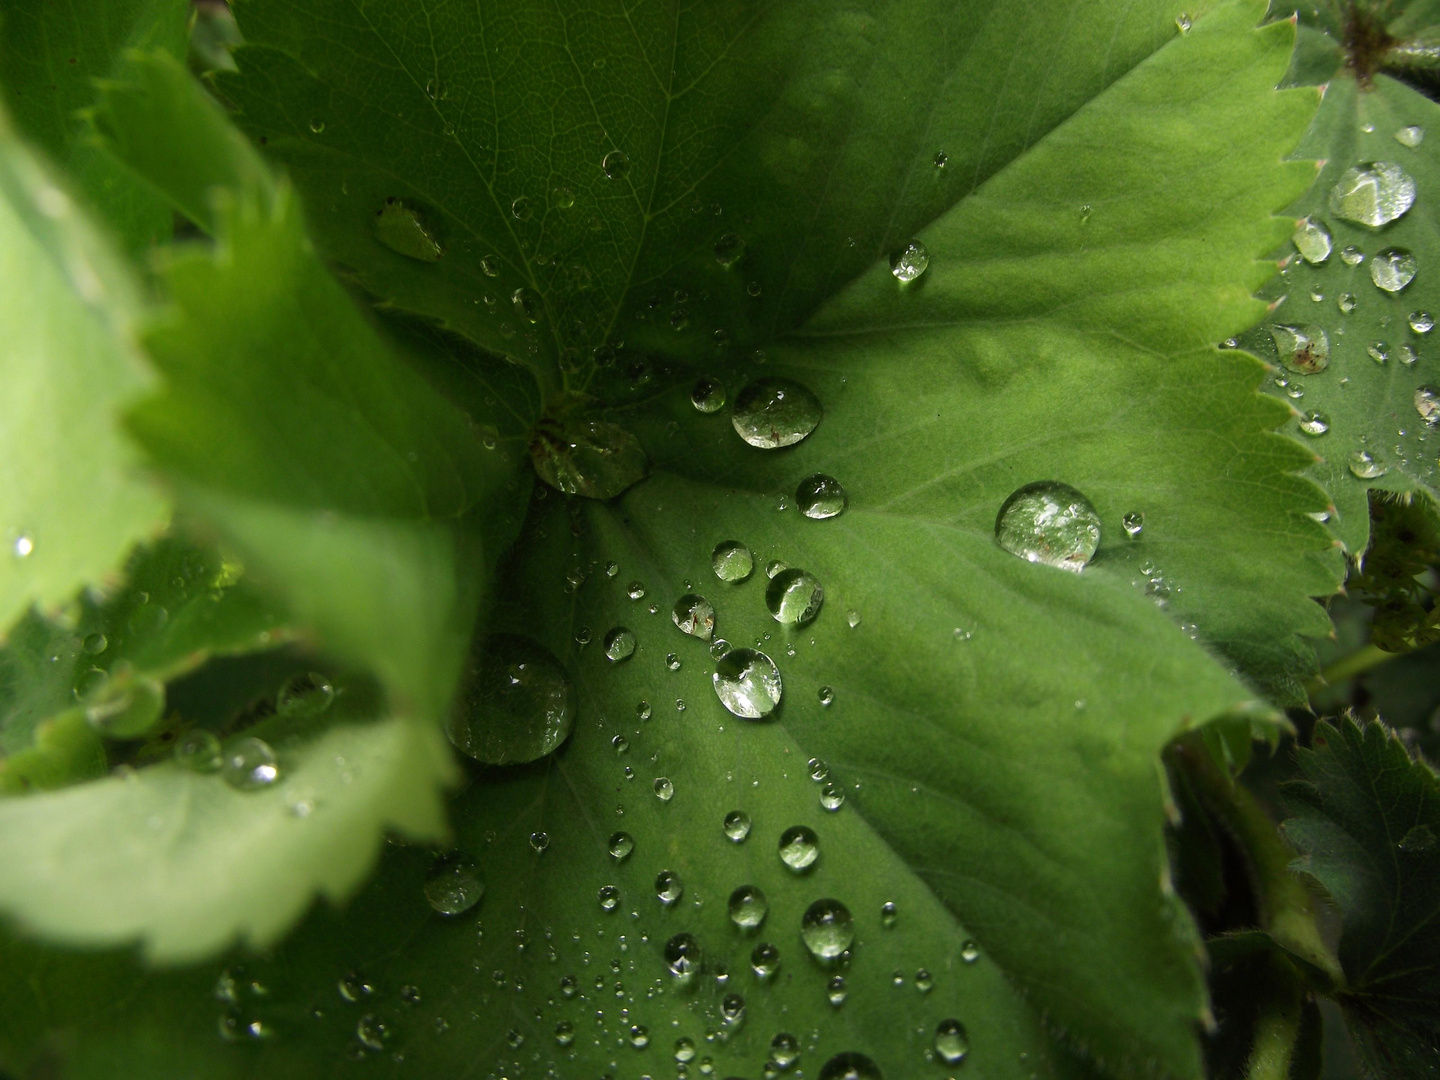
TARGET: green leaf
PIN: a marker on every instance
(180, 605)
(73, 505)
(1367, 821)
(184, 863)
(51, 56)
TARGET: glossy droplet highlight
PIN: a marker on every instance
(794, 597)
(402, 229)
(747, 682)
(517, 704)
(827, 929)
(1313, 241)
(952, 1042)
(1393, 269)
(707, 395)
(304, 696)
(748, 907)
(1050, 523)
(820, 496)
(694, 615)
(736, 826)
(771, 413)
(249, 764)
(614, 164)
(1314, 424)
(1373, 193)
(1304, 350)
(799, 847)
(454, 884)
(732, 561)
(909, 262)
(619, 644)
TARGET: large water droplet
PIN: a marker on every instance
(773, 412)
(1366, 466)
(402, 229)
(748, 907)
(1050, 523)
(1304, 350)
(850, 1066)
(732, 561)
(694, 615)
(454, 884)
(1373, 193)
(794, 597)
(249, 764)
(827, 929)
(707, 395)
(517, 704)
(615, 164)
(952, 1042)
(304, 695)
(747, 682)
(1313, 241)
(799, 847)
(820, 497)
(1393, 269)
(619, 644)
(910, 261)
(737, 826)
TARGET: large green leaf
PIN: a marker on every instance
(72, 504)
(51, 56)
(1367, 823)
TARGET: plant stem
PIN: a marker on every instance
(1276, 1029)
(1347, 667)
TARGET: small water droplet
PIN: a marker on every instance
(305, 695)
(1410, 136)
(402, 229)
(539, 841)
(1345, 302)
(747, 682)
(969, 952)
(1422, 322)
(952, 1042)
(1304, 350)
(772, 412)
(794, 597)
(1312, 239)
(1407, 354)
(520, 209)
(249, 764)
(748, 907)
(707, 395)
(1366, 466)
(1393, 269)
(737, 826)
(664, 789)
(941, 159)
(199, 751)
(1373, 193)
(619, 644)
(832, 797)
(563, 198)
(924, 981)
(850, 1066)
(1427, 404)
(1182, 23)
(1050, 523)
(784, 1051)
(682, 955)
(764, 960)
(910, 261)
(1133, 523)
(453, 884)
(668, 887)
(96, 643)
(826, 695)
(694, 615)
(1314, 424)
(639, 1036)
(526, 304)
(564, 1033)
(317, 125)
(799, 848)
(889, 912)
(1352, 255)
(621, 845)
(609, 897)
(728, 250)
(1379, 351)
(732, 561)
(615, 165)
(820, 496)
(836, 991)
(672, 661)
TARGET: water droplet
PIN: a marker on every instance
(635, 590)
(832, 797)
(826, 695)
(125, 706)
(619, 644)
(794, 597)
(732, 561)
(784, 1050)
(305, 695)
(747, 682)
(564, 1033)
(517, 705)
(615, 165)
(737, 826)
(563, 197)
(850, 1066)
(1419, 838)
(1373, 193)
(527, 305)
(1379, 351)
(836, 991)
(1312, 239)
(694, 615)
(1366, 466)
(249, 764)
(764, 960)
(732, 1009)
(748, 907)
(672, 661)
(682, 955)
(1314, 423)
(827, 929)
(609, 897)
(402, 229)
(621, 845)
(728, 250)
(1304, 350)
(1410, 136)
(771, 413)
(643, 711)
(952, 1042)
(1422, 322)
(454, 884)
(820, 496)
(539, 841)
(684, 1050)
(353, 988)
(24, 545)
(718, 648)
(668, 886)
(1427, 404)
(1050, 523)
(1345, 302)
(1393, 269)
(639, 1036)
(1408, 355)
(520, 209)
(1182, 23)
(576, 453)
(910, 261)
(664, 789)
(199, 751)
(1133, 523)
(969, 952)
(95, 644)
(799, 848)
(941, 159)
(707, 395)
